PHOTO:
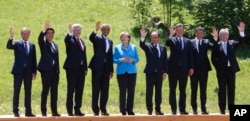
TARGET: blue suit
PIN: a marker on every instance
(180, 61)
(24, 66)
(126, 76)
(155, 67)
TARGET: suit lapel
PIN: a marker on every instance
(22, 46)
(104, 43)
(29, 48)
(161, 51)
(228, 48)
(174, 40)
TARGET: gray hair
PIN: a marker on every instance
(76, 26)
(224, 30)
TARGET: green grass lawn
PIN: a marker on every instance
(33, 14)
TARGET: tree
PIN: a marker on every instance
(222, 14)
(140, 11)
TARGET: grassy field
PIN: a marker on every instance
(33, 14)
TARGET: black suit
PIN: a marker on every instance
(101, 65)
(226, 66)
(24, 66)
(75, 66)
(201, 68)
(49, 68)
(180, 61)
(154, 69)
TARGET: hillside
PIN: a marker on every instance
(33, 14)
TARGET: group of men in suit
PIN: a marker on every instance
(25, 67)
(187, 58)
(190, 58)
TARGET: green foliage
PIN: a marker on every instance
(222, 14)
(140, 10)
(33, 13)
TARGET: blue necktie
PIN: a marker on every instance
(26, 48)
(179, 44)
(155, 50)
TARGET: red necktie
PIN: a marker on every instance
(79, 43)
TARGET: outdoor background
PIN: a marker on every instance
(122, 15)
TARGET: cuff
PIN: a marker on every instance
(242, 34)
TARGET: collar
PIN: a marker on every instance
(197, 39)
(124, 47)
(104, 37)
(223, 42)
(179, 38)
(25, 41)
(157, 45)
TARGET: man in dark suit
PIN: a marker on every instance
(101, 65)
(226, 65)
(202, 66)
(155, 69)
(180, 66)
(24, 69)
(49, 68)
(76, 68)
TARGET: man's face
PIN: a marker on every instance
(179, 31)
(224, 36)
(155, 38)
(105, 30)
(77, 31)
(199, 34)
(25, 34)
(49, 35)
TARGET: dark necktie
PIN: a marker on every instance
(200, 46)
(53, 49)
(26, 48)
(179, 44)
(79, 44)
(155, 50)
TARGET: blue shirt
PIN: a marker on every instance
(121, 52)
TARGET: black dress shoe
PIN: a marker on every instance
(195, 112)
(96, 114)
(131, 113)
(44, 114)
(204, 113)
(159, 113)
(124, 113)
(79, 114)
(16, 114)
(149, 113)
(184, 113)
(56, 114)
(173, 113)
(70, 114)
(30, 115)
(222, 112)
(105, 114)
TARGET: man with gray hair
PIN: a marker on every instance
(101, 65)
(23, 70)
(76, 68)
(226, 65)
